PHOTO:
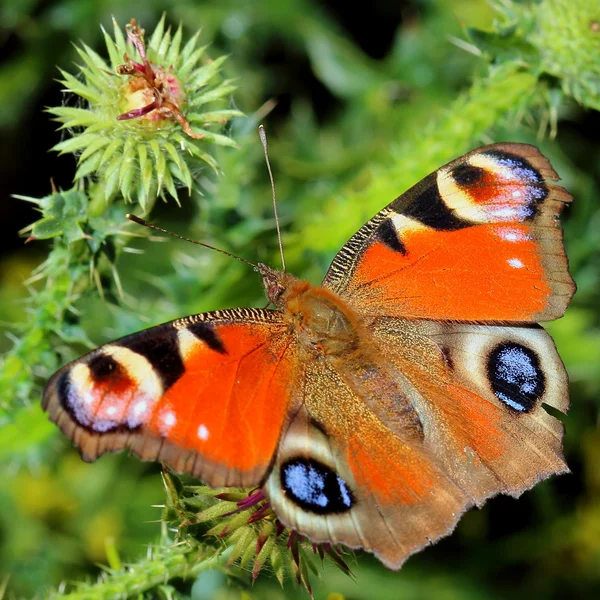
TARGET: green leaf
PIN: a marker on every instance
(146, 170)
(76, 143)
(173, 53)
(160, 163)
(128, 167)
(206, 73)
(504, 45)
(170, 184)
(81, 89)
(190, 62)
(116, 58)
(157, 34)
(164, 46)
(110, 177)
(72, 116)
(190, 48)
(120, 40)
(90, 149)
(110, 150)
(47, 228)
(215, 138)
(216, 116)
(184, 173)
(212, 95)
(88, 166)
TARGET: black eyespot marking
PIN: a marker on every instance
(160, 346)
(315, 487)
(389, 236)
(206, 333)
(431, 210)
(103, 366)
(466, 175)
(516, 377)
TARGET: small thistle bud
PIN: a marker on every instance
(147, 114)
(246, 522)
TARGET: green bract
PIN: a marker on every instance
(133, 149)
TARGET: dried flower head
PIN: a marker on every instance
(147, 115)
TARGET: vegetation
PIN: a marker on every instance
(355, 115)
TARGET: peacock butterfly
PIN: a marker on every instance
(375, 409)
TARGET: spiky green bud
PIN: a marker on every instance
(146, 114)
(245, 521)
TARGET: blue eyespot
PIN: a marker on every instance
(315, 487)
(516, 377)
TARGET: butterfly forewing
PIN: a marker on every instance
(207, 395)
(478, 240)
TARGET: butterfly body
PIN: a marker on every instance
(378, 407)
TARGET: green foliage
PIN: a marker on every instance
(528, 68)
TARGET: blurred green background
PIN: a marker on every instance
(360, 102)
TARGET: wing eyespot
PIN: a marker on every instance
(516, 376)
(315, 487)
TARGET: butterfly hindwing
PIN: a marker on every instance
(207, 394)
(349, 480)
(478, 240)
(481, 391)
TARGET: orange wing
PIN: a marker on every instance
(207, 394)
(478, 240)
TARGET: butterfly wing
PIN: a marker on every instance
(482, 392)
(207, 394)
(350, 472)
(478, 240)
(342, 476)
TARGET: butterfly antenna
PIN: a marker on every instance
(263, 138)
(146, 224)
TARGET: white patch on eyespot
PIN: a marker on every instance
(507, 212)
(111, 411)
(515, 369)
(507, 400)
(307, 484)
(79, 380)
(203, 432)
(506, 168)
(344, 492)
(516, 263)
(82, 400)
(147, 388)
(140, 408)
(514, 365)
